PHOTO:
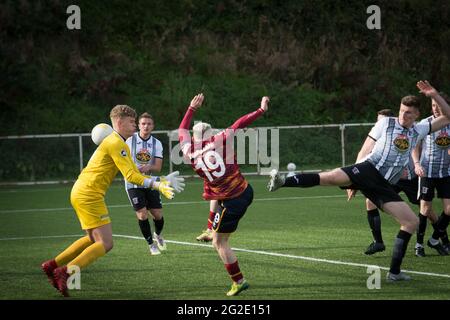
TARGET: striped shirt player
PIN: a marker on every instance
(147, 153)
(213, 158)
(435, 166)
(393, 146)
(384, 154)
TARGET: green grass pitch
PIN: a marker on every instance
(292, 244)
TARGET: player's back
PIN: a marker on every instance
(215, 161)
(101, 168)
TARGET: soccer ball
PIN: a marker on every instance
(291, 167)
(100, 132)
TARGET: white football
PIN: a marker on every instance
(291, 167)
(100, 132)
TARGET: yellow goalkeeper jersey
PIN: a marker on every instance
(111, 155)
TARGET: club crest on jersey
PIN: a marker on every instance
(123, 153)
(401, 143)
(442, 140)
(143, 156)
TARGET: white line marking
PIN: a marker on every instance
(273, 254)
(171, 203)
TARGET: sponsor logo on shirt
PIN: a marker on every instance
(442, 140)
(401, 143)
(143, 156)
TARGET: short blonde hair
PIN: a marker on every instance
(199, 129)
(122, 111)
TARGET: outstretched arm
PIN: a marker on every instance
(244, 121)
(183, 130)
(427, 89)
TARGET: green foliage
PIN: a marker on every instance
(316, 59)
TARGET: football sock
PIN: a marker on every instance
(303, 180)
(422, 228)
(440, 226)
(72, 251)
(146, 230)
(89, 255)
(444, 238)
(373, 216)
(234, 271)
(400, 246)
(211, 219)
(159, 225)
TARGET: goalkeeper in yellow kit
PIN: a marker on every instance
(88, 192)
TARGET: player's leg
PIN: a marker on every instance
(146, 230)
(336, 177)
(230, 261)
(374, 219)
(154, 204)
(102, 243)
(427, 187)
(440, 229)
(426, 212)
(206, 234)
(158, 220)
(226, 222)
(408, 224)
(138, 200)
(65, 257)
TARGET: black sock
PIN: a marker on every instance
(422, 228)
(159, 225)
(303, 180)
(444, 238)
(400, 246)
(373, 216)
(441, 226)
(146, 230)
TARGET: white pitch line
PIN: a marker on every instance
(171, 203)
(273, 254)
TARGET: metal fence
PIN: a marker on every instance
(58, 158)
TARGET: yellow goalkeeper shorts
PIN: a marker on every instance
(90, 208)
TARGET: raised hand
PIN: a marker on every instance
(265, 103)
(197, 101)
(426, 88)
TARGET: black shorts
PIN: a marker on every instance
(410, 188)
(427, 186)
(231, 211)
(140, 198)
(366, 178)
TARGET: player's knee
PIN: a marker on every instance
(142, 214)
(411, 224)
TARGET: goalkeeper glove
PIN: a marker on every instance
(175, 181)
(164, 188)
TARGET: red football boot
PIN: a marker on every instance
(48, 267)
(61, 276)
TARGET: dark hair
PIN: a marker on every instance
(145, 115)
(386, 113)
(411, 101)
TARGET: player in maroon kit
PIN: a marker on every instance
(214, 159)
